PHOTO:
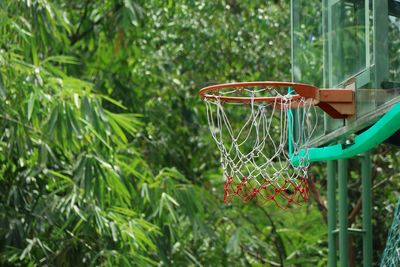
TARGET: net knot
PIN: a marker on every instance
(287, 98)
(254, 192)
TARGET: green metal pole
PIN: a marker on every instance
(332, 257)
(366, 209)
(343, 213)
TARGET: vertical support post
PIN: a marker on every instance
(326, 49)
(362, 19)
(294, 24)
(343, 213)
(328, 37)
(332, 255)
(366, 209)
(381, 56)
(368, 29)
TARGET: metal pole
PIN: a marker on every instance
(366, 209)
(332, 257)
(343, 213)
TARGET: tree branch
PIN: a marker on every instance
(83, 16)
(75, 37)
(320, 201)
(354, 211)
(279, 242)
(260, 258)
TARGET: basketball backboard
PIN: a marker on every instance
(348, 44)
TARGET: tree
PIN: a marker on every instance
(65, 198)
(105, 153)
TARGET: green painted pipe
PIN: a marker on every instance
(343, 213)
(332, 254)
(376, 134)
(290, 125)
(366, 209)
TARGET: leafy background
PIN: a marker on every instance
(106, 159)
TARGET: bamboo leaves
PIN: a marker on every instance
(63, 146)
(2, 87)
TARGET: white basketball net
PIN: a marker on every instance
(260, 143)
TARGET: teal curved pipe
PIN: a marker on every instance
(290, 125)
(376, 134)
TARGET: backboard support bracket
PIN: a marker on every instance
(337, 103)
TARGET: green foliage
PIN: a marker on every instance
(65, 199)
(106, 159)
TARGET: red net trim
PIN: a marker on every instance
(283, 195)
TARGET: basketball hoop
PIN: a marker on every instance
(259, 128)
